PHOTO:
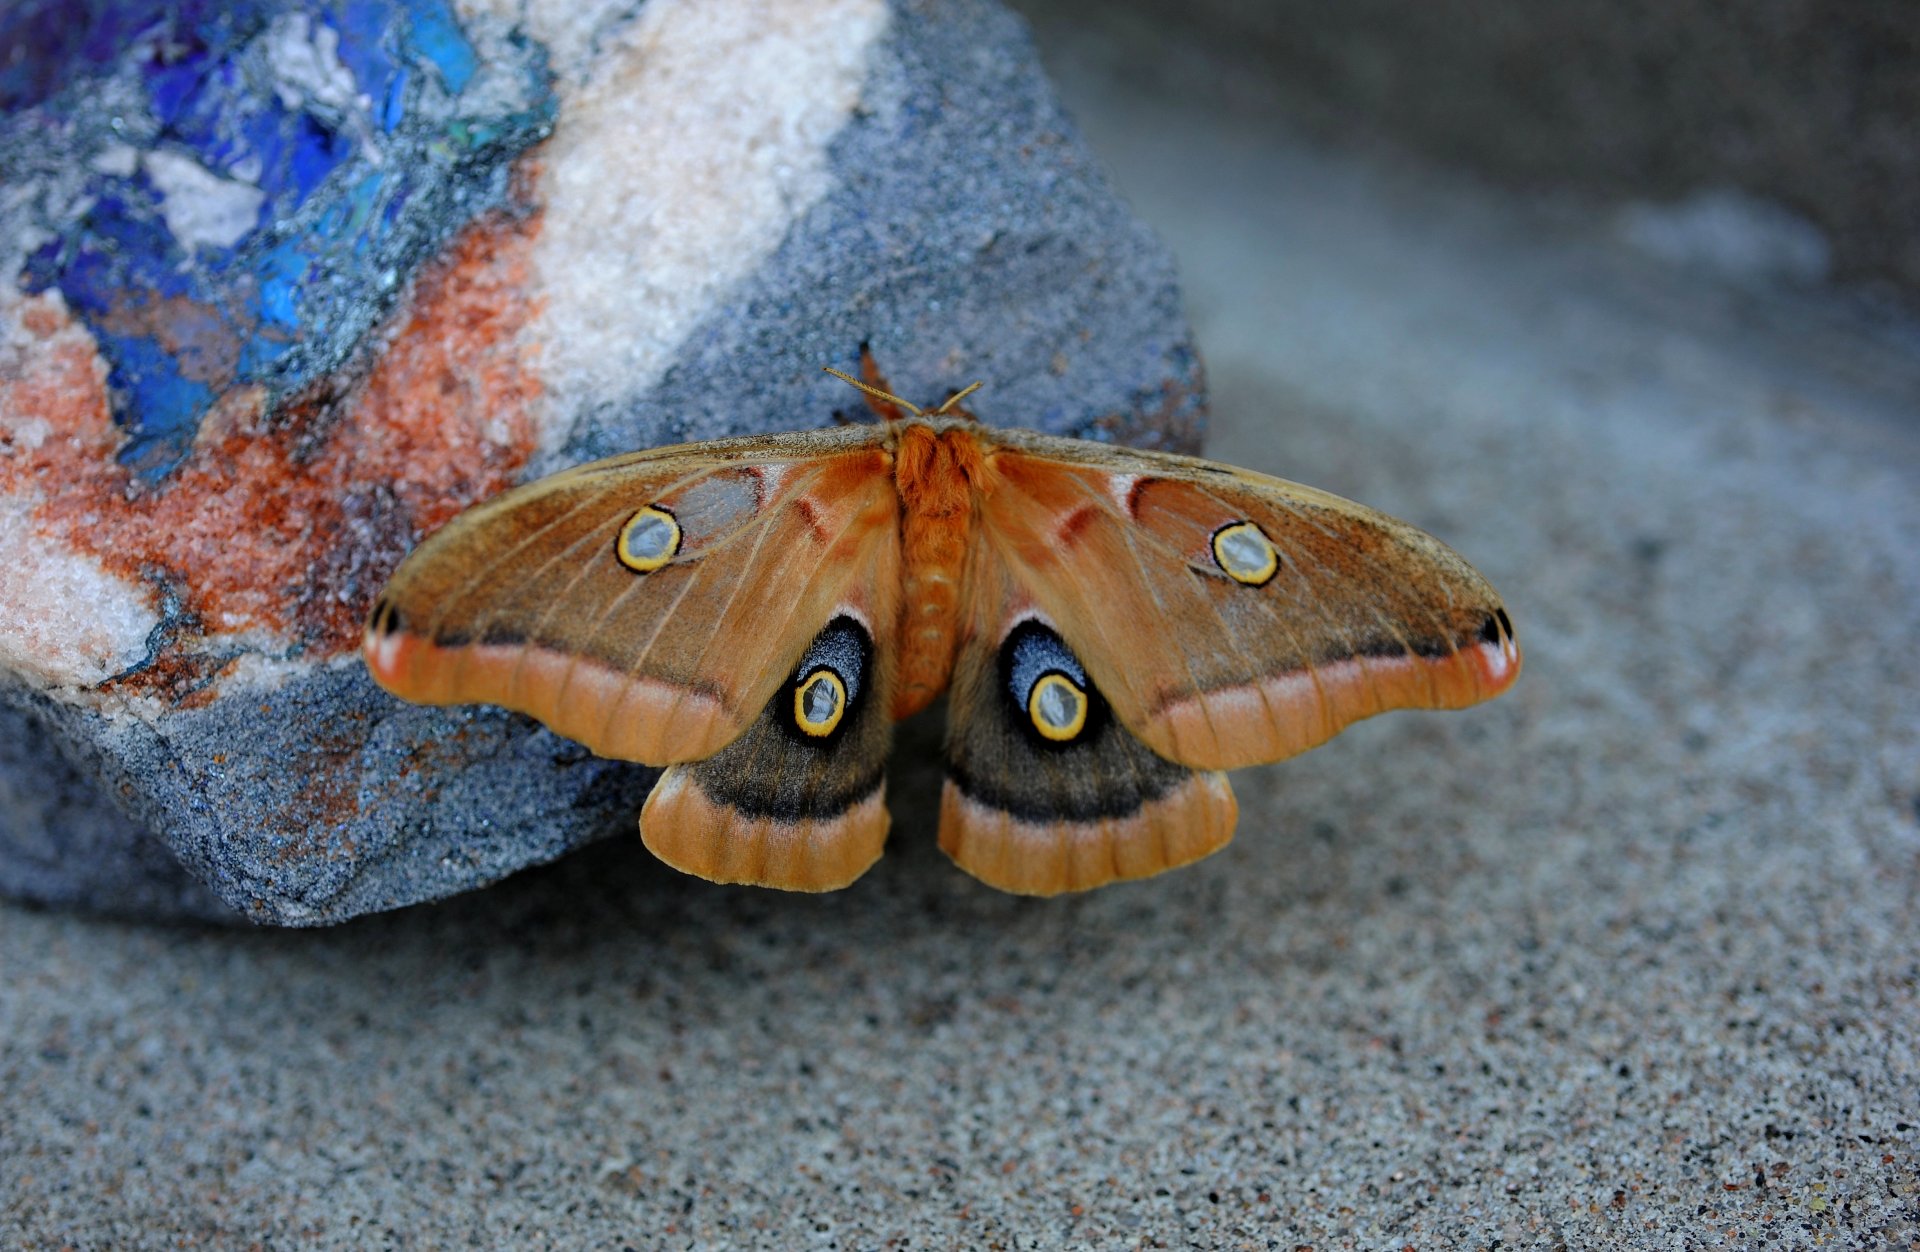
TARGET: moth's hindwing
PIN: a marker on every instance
(798, 801)
(1046, 791)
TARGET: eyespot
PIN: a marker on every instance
(1047, 683)
(1058, 707)
(1245, 553)
(648, 540)
(819, 702)
(829, 681)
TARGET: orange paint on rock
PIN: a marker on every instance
(291, 521)
(53, 397)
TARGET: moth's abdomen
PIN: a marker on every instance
(939, 477)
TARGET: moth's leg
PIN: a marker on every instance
(882, 404)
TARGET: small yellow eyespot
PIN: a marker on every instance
(1057, 707)
(648, 540)
(1245, 553)
(819, 702)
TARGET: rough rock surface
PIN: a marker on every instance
(284, 287)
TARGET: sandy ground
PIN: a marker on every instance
(1627, 959)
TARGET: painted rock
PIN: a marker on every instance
(288, 285)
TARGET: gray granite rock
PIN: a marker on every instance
(231, 400)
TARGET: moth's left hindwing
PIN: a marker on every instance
(799, 801)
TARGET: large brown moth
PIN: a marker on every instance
(1113, 628)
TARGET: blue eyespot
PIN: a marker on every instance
(1046, 682)
(827, 684)
(842, 647)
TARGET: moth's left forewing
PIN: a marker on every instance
(1234, 619)
(646, 606)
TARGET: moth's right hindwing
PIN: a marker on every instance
(1046, 791)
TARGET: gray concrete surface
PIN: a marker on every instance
(1627, 959)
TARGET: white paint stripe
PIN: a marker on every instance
(70, 623)
(682, 155)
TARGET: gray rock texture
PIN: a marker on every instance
(922, 192)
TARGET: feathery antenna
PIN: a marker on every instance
(888, 397)
(878, 394)
(957, 397)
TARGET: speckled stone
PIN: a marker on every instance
(292, 285)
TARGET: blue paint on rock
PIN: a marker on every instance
(352, 126)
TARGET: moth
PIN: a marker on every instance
(1113, 629)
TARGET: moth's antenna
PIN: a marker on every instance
(878, 394)
(958, 396)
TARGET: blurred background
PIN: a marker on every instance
(1790, 120)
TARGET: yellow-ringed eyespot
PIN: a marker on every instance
(830, 680)
(1047, 684)
(1058, 707)
(1245, 553)
(648, 540)
(819, 702)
